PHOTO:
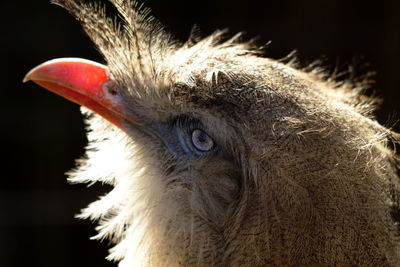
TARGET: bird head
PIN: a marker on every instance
(219, 156)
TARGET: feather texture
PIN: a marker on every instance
(310, 179)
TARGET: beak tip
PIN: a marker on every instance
(26, 78)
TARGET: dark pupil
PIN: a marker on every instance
(202, 137)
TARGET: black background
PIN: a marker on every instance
(42, 133)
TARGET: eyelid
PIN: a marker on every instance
(188, 123)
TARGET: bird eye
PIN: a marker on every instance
(202, 141)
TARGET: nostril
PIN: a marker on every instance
(113, 92)
(111, 87)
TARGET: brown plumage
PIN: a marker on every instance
(298, 172)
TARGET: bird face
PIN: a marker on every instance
(191, 177)
(220, 157)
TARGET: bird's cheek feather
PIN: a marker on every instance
(83, 82)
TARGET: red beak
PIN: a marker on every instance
(83, 82)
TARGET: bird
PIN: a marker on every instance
(221, 156)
